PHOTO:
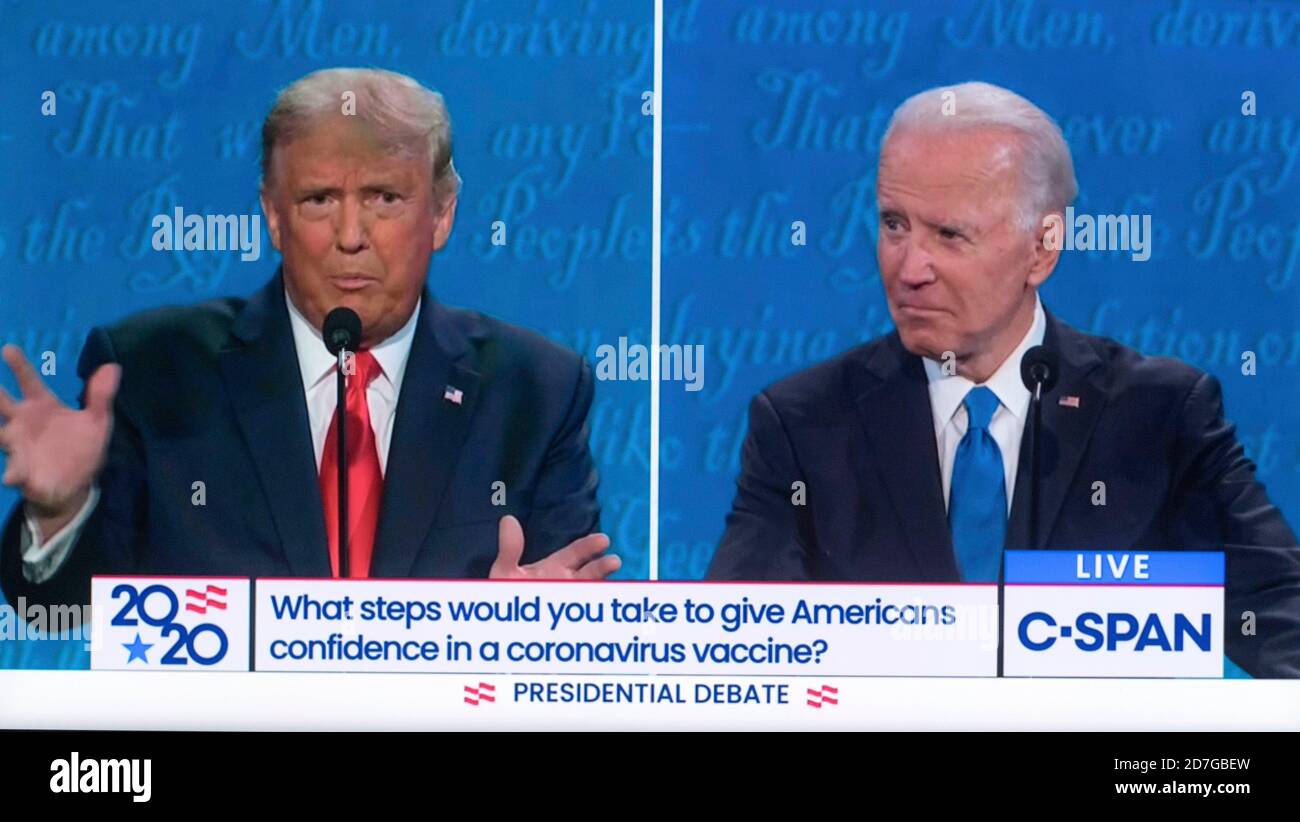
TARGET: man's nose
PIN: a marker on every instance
(350, 232)
(917, 266)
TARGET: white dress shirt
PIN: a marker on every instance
(947, 393)
(42, 559)
(318, 365)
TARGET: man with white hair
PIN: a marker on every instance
(911, 448)
(467, 438)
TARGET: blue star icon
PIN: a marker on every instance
(137, 649)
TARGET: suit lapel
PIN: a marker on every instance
(429, 431)
(895, 412)
(262, 376)
(1066, 432)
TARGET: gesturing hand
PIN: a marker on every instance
(53, 451)
(580, 559)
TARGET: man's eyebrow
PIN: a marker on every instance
(383, 185)
(311, 187)
(956, 225)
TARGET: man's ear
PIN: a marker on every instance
(1047, 247)
(442, 224)
(272, 217)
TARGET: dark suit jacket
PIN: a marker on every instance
(213, 393)
(858, 431)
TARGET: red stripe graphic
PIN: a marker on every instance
(818, 697)
(203, 609)
(204, 601)
(483, 693)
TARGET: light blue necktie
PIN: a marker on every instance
(977, 497)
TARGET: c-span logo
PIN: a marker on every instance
(1113, 613)
(169, 624)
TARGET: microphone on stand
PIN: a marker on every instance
(342, 333)
(1039, 370)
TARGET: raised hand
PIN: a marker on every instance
(53, 452)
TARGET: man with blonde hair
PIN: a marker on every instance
(446, 408)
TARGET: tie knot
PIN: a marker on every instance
(364, 368)
(980, 404)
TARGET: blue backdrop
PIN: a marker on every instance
(160, 105)
(774, 112)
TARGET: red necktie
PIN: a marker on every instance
(365, 480)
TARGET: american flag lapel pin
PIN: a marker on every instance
(453, 394)
(1069, 401)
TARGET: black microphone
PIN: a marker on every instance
(1040, 366)
(342, 329)
(342, 333)
(1039, 369)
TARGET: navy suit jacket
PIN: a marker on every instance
(858, 431)
(212, 393)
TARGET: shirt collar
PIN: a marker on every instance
(948, 391)
(315, 362)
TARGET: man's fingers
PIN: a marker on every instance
(600, 568)
(29, 382)
(579, 559)
(510, 546)
(101, 388)
(8, 405)
(581, 551)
